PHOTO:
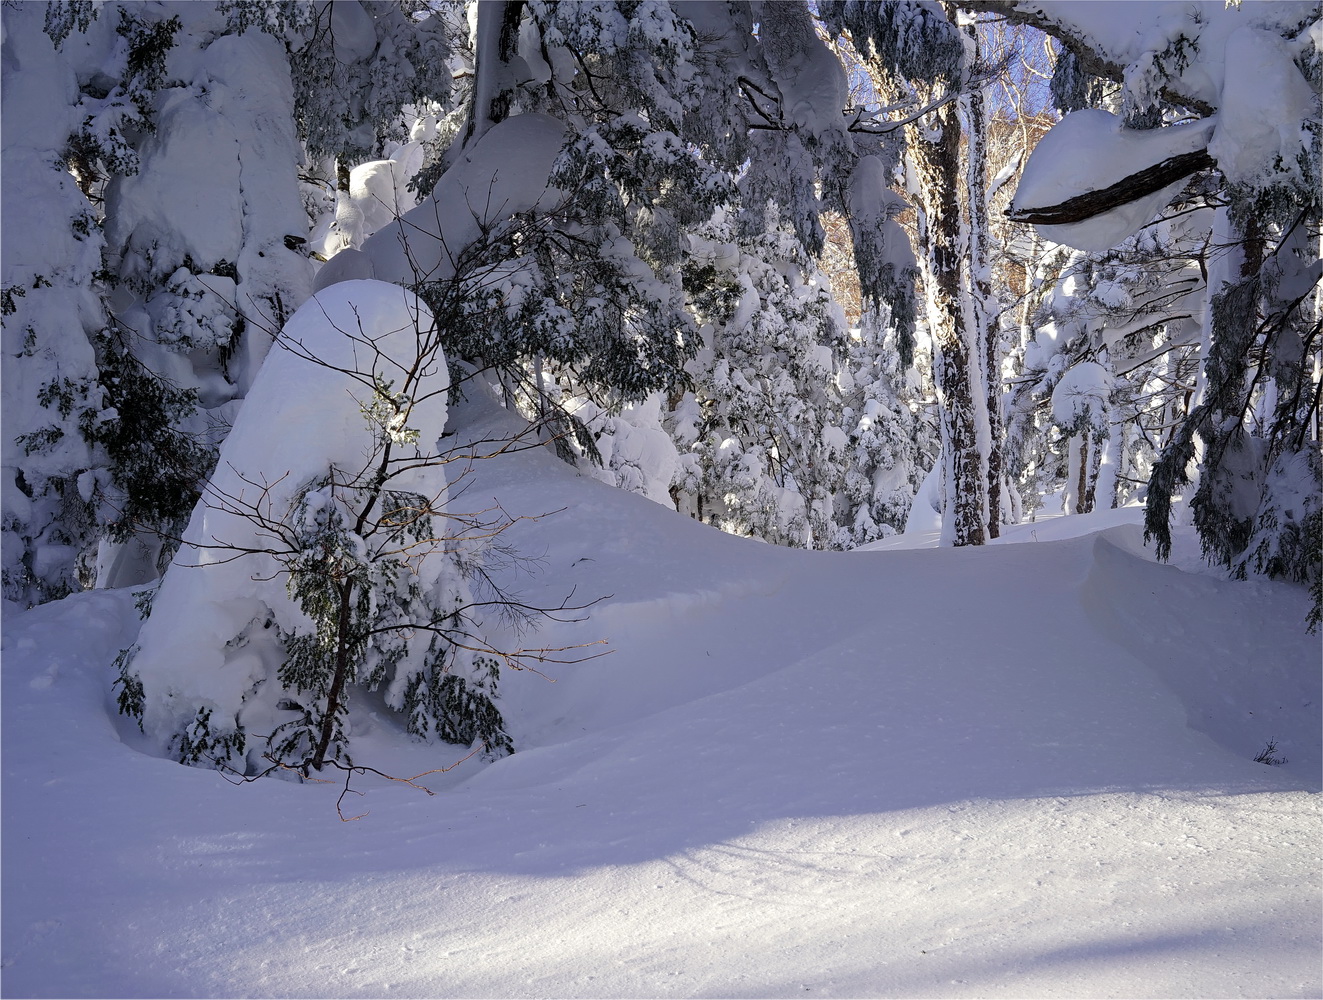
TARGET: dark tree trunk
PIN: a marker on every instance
(1083, 489)
(339, 679)
(1137, 185)
(937, 161)
(984, 306)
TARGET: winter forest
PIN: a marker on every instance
(664, 474)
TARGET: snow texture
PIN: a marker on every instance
(505, 173)
(1236, 59)
(1019, 770)
(1265, 108)
(1091, 150)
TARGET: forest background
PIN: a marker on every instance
(816, 274)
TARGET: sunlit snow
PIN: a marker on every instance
(1020, 770)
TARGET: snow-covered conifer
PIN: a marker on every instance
(323, 560)
(1257, 69)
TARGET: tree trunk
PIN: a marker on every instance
(1138, 185)
(1083, 492)
(961, 399)
(496, 45)
(339, 679)
(983, 306)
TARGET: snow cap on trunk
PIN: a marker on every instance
(504, 174)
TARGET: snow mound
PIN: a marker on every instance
(210, 642)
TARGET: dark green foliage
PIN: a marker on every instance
(351, 571)
(456, 709)
(1313, 541)
(598, 311)
(63, 16)
(1222, 508)
(131, 697)
(916, 41)
(149, 44)
(201, 740)
(1069, 84)
(158, 469)
(8, 295)
(643, 179)
(346, 108)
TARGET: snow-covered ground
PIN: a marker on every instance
(1021, 770)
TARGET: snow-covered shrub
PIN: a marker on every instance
(324, 558)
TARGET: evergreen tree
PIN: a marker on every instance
(326, 561)
(762, 428)
(1252, 422)
(918, 50)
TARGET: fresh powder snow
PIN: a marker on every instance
(1025, 769)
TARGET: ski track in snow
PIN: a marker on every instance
(1024, 770)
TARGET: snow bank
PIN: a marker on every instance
(794, 778)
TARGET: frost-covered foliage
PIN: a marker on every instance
(355, 64)
(892, 437)
(97, 444)
(169, 139)
(51, 313)
(1136, 311)
(1248, 440)
(556, 243)
(762, 438)
(324, 560)
(915, 40)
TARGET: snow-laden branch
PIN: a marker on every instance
(1138, 185)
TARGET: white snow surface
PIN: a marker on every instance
(1018, 770)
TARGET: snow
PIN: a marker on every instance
(1152, 29)
(814, 89)
(1235, 61)
(504, 174)
(1264, 110)
(873, 210)
(202, 647)
(1023, 769)
(1082, 394)
(1090, 150)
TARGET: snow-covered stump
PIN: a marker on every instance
(321, 557)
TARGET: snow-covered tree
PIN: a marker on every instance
(52, 316)
(918, 50)
(1252, 426)
(174, 133)
(327, 559)
(761, 433)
